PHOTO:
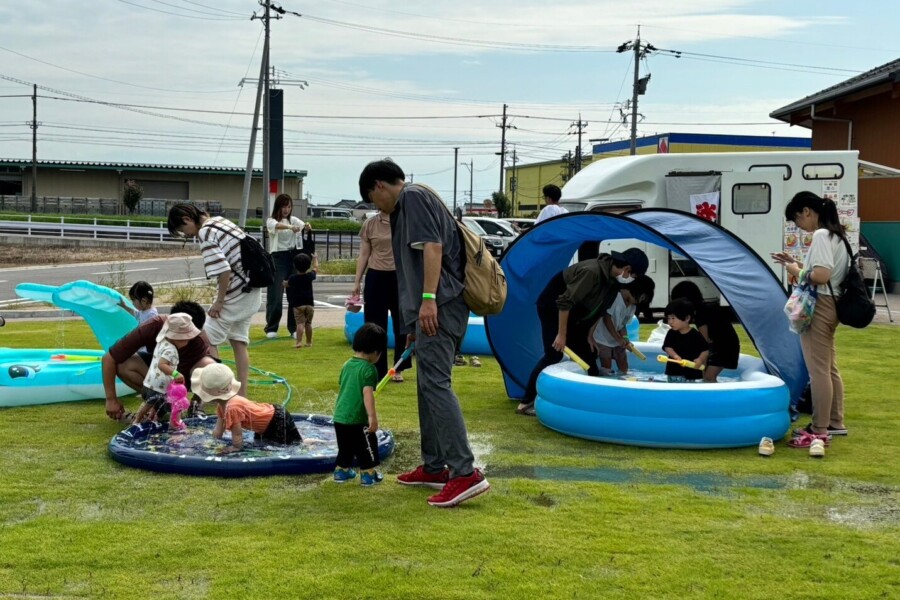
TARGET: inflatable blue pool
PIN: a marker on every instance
(654, 413)
(152, 447)
(475, 342)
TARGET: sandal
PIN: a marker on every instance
(805, 440)
(398, 378)
(808, 430)
(474, 361)
(527, 410)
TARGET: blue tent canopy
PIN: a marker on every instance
(741, 276)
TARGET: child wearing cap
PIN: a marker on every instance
(176, 333)
(355, 419)
(269, 422)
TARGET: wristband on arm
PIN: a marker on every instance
(427, 296)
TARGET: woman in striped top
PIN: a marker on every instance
(230, 313)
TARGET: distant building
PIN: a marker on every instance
(526, 195)
(862, 113)
(73, 183)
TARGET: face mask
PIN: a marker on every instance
(624, 280)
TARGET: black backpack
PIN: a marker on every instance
(309, 244)
(854, 306)
(258, 265)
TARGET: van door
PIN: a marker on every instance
(752, 208)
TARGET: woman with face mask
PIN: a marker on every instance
(572, 302)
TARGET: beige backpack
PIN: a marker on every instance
(485, 282)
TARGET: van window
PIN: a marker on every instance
(751, 198)
(823, 171)
(785, 170)
(574, 206)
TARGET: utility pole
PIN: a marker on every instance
(471, 179)
(471, 167)
(503, 127)
(580, 125)
(265, 210)
(455, 177)
(248, 174)
(634, 91)
(34, 126)
(515, 184)
(411, 178)
(639, 86)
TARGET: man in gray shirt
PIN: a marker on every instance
(430, 274)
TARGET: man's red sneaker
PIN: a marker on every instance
(460, 489)
(419, 476)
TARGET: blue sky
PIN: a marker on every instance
(194, 53)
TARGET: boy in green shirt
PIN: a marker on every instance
(355, 419)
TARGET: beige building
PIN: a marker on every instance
(67, 184)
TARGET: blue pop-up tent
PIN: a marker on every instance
(742, 277)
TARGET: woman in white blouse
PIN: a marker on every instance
(827, 261)
(285, 235)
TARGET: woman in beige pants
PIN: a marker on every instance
(826, 260)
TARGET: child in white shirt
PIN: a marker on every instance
(178, 330)
(608, 335)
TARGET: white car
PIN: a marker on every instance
(494, 244)
(498, 228)
(521, 225)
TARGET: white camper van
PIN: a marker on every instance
(744, 192)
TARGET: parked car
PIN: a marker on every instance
(493, 243)
(521, 225)
(499, 228)
(323, 212)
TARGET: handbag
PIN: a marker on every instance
(801, 305)
(854, 306)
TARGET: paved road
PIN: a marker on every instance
(165, 271)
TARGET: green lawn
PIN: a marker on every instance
(565, 518)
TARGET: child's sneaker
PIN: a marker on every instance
(460, 489)
(344, 475)
(459, 361)
(419, 476)
(817, 448)
(370, 477)
(474, 361)
(766, 447)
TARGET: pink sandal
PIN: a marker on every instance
(805, 440)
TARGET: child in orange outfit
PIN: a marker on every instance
(216, 383)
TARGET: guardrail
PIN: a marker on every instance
(91, 230)
(329, 244)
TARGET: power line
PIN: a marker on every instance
(755, 61)
(193, 10)
(768, 39)
(215, 8)
(225, 112)
(450, 40)
(111, 104)
(167, 12)
(145, 87)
